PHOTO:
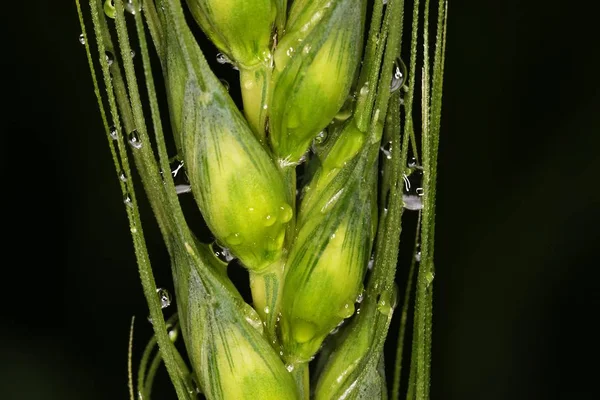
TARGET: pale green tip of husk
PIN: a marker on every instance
(240, 29)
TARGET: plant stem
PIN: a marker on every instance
(266, 290)
(256, 92)
(302, 378)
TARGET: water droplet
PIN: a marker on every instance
(130, 8)
(270, 220)
(418, 256)
(234, 239)
(387, 150)
(365, 89)
(82, 38)
(267, 310)
(122, 176)
(321, 137)
(371, 263)
(285, 213)
(173, 333)
(347, 310)
(127, 200)
(289, 367)
(134, 139)
(109, 58)
(225, 84)
(360, 296)
(420, 191)
(223, 59)
(109, 9)
(113, 133)
(303, 330)
(132, 53)
(251, 316)
(398, 75)
(275, 244)
(164, 296)
(412, 163)
(385, 2)
(383, 306)
(290, 52)
(429, 278)
(221, 253)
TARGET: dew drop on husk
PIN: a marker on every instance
(321, 137)
(82, 38)
(127, 200)
(109, 58)
(225, 84)
(109, 9)
(398, 75)
(113, 132)
(134, 139)
(221, 253)
(130, 7)
(386, 149)
(164, 297)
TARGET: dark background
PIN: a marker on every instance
(516, 286)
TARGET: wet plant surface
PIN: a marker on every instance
(516, 284)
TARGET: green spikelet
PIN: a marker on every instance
(328, 260)
(237, 187)
(315, 65)
(223, 335)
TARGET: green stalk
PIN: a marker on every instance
(302, 379)
(129, 361)
(255, 83)
(266, 288)
(141, 251)
(431, 113)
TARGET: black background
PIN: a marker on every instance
(516, 286)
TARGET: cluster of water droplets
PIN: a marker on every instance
(130, 7)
